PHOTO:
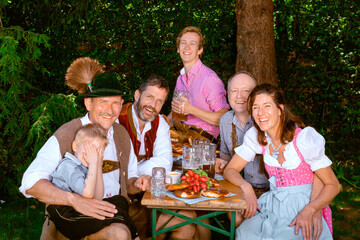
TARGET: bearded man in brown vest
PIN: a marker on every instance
(101, 95)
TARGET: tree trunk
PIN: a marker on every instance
(255, 39)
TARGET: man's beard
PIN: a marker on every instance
(139, 113)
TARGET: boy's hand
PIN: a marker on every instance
(92, 155)
(101, 156)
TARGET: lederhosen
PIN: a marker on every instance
(67, 220)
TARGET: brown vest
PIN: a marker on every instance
(66, 135)
(127, 121)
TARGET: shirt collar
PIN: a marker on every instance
(73, 158)
(235, 121)
(85, 120)
(194, 70)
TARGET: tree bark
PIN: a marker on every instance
(255, 39)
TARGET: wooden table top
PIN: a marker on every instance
(236, 202)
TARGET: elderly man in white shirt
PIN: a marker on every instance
(102, 99)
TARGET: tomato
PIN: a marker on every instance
(203, 178)
(203, 185)
(183, 177)
(188, 179)
(197, 183)
(196, 188)
(196, 176)
(191, 173)
(190, 188)
(192, 183)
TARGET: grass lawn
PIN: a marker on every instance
(23, 219)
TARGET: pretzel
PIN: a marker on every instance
(177, 147)
(177, 186)
(214, 193)
(187, 193)
(214, 182)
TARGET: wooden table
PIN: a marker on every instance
(216, 207)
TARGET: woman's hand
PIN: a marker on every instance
(304, 220)
(317, 225)
(251, 201)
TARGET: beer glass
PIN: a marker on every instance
(176, 96)
(190, 158)
(158, 179)
(208, 159)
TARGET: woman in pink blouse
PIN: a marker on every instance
(291, 155)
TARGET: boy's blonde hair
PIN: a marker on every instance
(91, 132)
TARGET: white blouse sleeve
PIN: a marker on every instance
(312, 146)
(250, 146)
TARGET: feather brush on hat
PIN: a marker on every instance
(81, 73)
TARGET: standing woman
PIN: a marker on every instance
(291, 155)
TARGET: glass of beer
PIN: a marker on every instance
(190, 158)
(176, 96)
(208, 159)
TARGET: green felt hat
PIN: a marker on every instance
(104, 85)
(87, 76)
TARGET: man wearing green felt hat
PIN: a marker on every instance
(101, 94)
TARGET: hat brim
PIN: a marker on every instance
(98, 93)
(102, 93)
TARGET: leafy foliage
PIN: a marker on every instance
(319, 63)
(39, 40)
(317, 49)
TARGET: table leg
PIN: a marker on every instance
(232, 225)
(197, 220)
(153, 223)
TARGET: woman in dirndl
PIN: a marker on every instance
(292, 153)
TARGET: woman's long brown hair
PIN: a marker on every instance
(288, 120)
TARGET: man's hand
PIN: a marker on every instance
(220, 165)
(186, 106)
(143, 182)
(304, 220)
(317, 225)
(92, 207)
(181, 106)
(251, 201)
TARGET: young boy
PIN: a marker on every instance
(82, 173)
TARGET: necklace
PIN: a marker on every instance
(276, 152)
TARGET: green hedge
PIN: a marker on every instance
(317, 48)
